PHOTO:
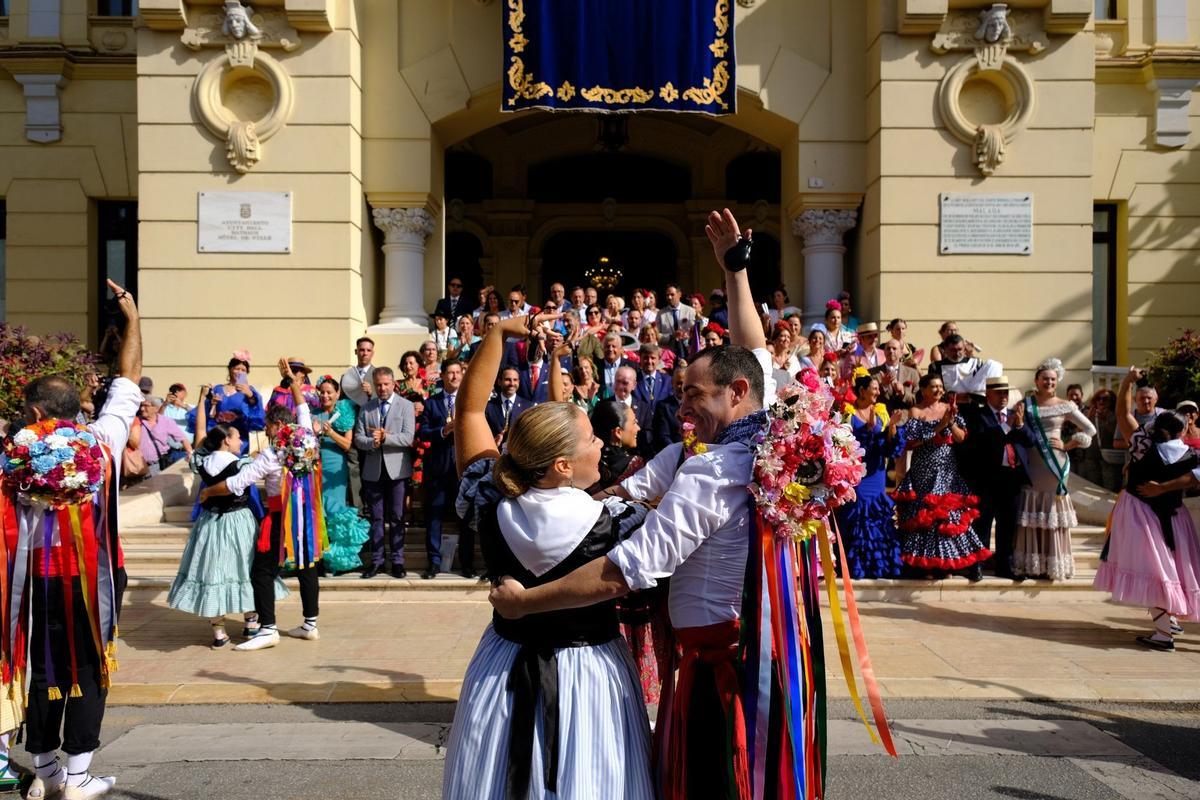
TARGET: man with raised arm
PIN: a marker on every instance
(699, 536)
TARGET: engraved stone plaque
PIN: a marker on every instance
(986, 223)
(244, 222)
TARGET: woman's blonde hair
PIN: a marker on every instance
(539, 437)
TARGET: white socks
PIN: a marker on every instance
(6, 772)
(1163, 622)
(45, 765)
(306, 630)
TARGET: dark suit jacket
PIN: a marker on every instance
(438, 461)
(463, 308)
(664, 428)
(494, 412)
(981, 457)
(643, 412)
(662, 388)
(541, 392)
(606, 390)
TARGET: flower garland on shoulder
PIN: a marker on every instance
(691, 445)
(810, 461)
(297, 449)
(55, 463)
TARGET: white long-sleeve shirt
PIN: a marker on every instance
(700, 532)
(266, 466)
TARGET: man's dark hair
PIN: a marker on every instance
(362, 339)
(450, 362)
(384, 371)
(519, 288)
(54, 396)
(952, 340)
(280, 415)
(1078, 386)
(728, 362)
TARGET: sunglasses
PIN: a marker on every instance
(456, 286)
(595, 312)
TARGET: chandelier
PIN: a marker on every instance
(604, 275)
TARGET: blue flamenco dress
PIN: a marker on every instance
(346, 528)
(867, 525)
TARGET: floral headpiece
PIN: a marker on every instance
(833, 305)
(1052, 364)
(242, 355)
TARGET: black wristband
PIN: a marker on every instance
(737, 258)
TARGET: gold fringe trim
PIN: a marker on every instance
(54, 693)
(75, 691)
(105, 682)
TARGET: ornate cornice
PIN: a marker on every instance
(824, 226)
(411, 226)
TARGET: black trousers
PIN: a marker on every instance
(264, 569)
(72, 723)
(999, 499)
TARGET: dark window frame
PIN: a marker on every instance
(113, 225)
(1109, 238)
(115, 8)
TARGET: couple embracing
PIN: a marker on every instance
(551, 705)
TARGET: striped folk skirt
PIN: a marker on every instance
(603, 732)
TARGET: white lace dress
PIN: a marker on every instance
(1043, 541)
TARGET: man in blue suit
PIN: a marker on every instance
(664, 428)
(994, 464)
(506, 405)
(653, 385)
(535, 373)
(439, 475)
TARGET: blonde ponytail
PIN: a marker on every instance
(539, 437)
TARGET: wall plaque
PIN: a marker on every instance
(986, 223)
(244, 222)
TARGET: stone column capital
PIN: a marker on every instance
(406, 226)
(824, 226)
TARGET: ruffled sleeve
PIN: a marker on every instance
(478, 495)
(345, 412)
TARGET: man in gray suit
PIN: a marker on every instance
(671, 316)
(384, 435)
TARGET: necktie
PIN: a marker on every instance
(450, 405)
(534, 372)
(650, 386)
(383, 409)
(453, 304)
(507, 409)
(675, 317)
(1010, 452)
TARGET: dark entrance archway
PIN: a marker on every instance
(647, 259)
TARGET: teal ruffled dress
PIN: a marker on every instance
(347, 530)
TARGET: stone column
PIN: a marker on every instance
(405, 232)
(822, 229)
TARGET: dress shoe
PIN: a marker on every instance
(398, 571)
(469, 574)
(371, 571)
(430, 573)
(975, 574)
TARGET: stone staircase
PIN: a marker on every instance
(153, 549)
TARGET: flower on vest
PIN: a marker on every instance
(296, 448)
(54, 462)
(809, 462)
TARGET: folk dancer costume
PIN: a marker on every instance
(968, 376)
(293, 534)
(62, 596)
(550, 704)
(1152, 556)
(214, 576)
(1043, 542)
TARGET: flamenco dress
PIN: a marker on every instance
(935, 507)
(347, 529)
(867, 526)
(214, 571)
(1152, 557)
(550, 704)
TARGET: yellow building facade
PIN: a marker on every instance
(380, 123)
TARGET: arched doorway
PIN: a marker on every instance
(646, 259)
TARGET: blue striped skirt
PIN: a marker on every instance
(604, 735)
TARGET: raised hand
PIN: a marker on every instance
(723, 232)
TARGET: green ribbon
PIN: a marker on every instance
(1043, 442)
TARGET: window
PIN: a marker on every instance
(1106, 9)
(117, 249)
(115, 8)
(3, 257)
(1104, 284)
(3, 8)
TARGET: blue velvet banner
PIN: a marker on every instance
(619, 55)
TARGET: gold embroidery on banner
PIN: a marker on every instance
(601, 94)
(523, 84)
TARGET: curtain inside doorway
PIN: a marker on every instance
(619, 55)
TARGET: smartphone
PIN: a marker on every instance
(242, 379)
(763, 306)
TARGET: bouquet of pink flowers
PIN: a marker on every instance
(809, 461)
(297, 449)
(54, 462)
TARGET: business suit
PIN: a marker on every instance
(386, 469)
(606, 389)
(667, 324)
(659, 389)
(494, 411)
(901, 391)
(984, 462)
(664, 427)
(644, 415)
(440, 479)
(453, 307)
